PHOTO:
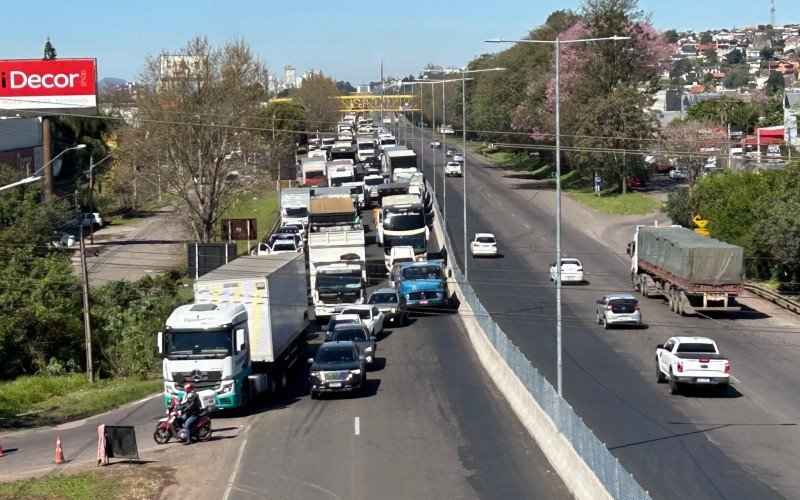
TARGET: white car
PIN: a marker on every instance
(371, 316)
(483, 244)
(453, 168)
(458, 157)
(339, 319)
(571, 271)
(677, 174)
(692, 361)
(399, 255)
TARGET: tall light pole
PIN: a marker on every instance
(557, 48)
(464, 72)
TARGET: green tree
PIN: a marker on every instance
(735, 57)
(317, 98)
(706, 37)
(49, 51)
(671, 36)
(711, 56)
(767, 53)
(681, 67)
(775, 83)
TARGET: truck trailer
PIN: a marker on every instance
(243, 334)
(694, 273)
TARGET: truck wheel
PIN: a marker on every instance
(280, 374)
(673, 385)
(660, 378)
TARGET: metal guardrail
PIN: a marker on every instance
(618, 482)
(774, 297)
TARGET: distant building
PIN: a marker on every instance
(289, 79)
(21, 144)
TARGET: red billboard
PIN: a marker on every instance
(60, 84)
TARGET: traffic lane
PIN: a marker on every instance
(643, 440)
(432, 425)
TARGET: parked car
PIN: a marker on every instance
(618, 309)
(571, 271)
(358, 334)
(371, 316)
(453, 169)
(635, 183)
(677, 174)
(337, 367)
(483, 244)
(391, 304)
(692, 360)
(86, 219)
(340, 319)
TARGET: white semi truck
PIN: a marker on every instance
(244, 332)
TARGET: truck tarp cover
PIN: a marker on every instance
(330, 206)
(691, 256)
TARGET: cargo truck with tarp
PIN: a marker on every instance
(694, 273)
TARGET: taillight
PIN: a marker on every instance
(704, 360)
(680, 367)
(727, 367)
(636, 307)
(610, 308)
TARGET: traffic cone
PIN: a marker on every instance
(59, 458)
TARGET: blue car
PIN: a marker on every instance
(423, 284)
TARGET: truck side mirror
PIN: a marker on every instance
(240, 344)
(660, 346)
(629, 250)
(160, 342)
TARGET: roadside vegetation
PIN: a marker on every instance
(263, 208)
(630, 203)
(124, 483)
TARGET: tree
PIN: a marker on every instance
(767, 53)
(317, 98)
(684, 142)
(775, 83)
(49, 51)
(670, 36)
(711, 56)
(681, 67)
(345, 87)
(735, 57)
(706, 37)
(197, 124)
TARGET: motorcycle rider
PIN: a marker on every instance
(190, 410)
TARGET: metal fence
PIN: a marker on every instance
(617, 481)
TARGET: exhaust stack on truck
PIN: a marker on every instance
(243, 334)
(694, 273)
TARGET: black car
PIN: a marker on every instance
(358, 334)
(391, 304)
(337, 367)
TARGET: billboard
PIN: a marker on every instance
(48, 86)
(180, 67)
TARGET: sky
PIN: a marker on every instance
(346, 40)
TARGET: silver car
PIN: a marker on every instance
(618, 309)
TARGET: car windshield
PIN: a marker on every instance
(349, 334)
(335, 354)
(283, 247)
(362, 313)
(623, 302)
(383, 298)
(365, 146)
(696, 347)
(422, 272)
(296, 211)
(485, 239)
(570, 262)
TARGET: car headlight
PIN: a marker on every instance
(393, 310)
(368, 349)
(226, 386)
(316, 374)
(169, 388)
(357, 371)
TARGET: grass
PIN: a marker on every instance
(506, 158)
(110, 483)
(49, 400)
(631, 203)
(263, 208)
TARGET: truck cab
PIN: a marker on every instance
(423, 284)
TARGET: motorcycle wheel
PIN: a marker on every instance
(204, 433)
(161, 435)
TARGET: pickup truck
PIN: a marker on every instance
(692, 360)
(423, 284)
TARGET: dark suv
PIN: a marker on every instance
(337, 367)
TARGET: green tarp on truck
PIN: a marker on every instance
(691, 256)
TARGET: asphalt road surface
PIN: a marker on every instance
(693, 445)
(432, 425)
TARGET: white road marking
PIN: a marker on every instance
(736, 380)
(513, 214)
(358, 426)
(239, 458)
(527, 225)
(543, 238)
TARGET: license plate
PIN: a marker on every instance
(335, 384)
(703, 380)
(423, 302)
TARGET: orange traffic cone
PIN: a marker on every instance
(59, 459)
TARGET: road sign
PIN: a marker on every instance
(701, 225)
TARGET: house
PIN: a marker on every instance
(791, 112)
(21, 144)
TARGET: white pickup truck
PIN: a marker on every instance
(692, 360)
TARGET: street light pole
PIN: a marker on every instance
(464, 167)
(557, 47)
(34, 177)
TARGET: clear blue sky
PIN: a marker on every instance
(344, 39)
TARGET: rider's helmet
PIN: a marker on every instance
(188, 387)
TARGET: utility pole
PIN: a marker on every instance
(87, 326)
(91, 198)
(47, 157)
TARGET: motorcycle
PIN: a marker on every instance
(171, 426)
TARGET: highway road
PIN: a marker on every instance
(694, 446)
(431, 426)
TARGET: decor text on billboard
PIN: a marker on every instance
(35, 84)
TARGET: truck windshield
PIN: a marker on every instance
(315, 174)
(338, 281)
(375, 181)
(422, 273)
(404, 162)
(296, 211)
(405, 220)
(696, 347)
(388, 142)
(202, 344)
(365, 146)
